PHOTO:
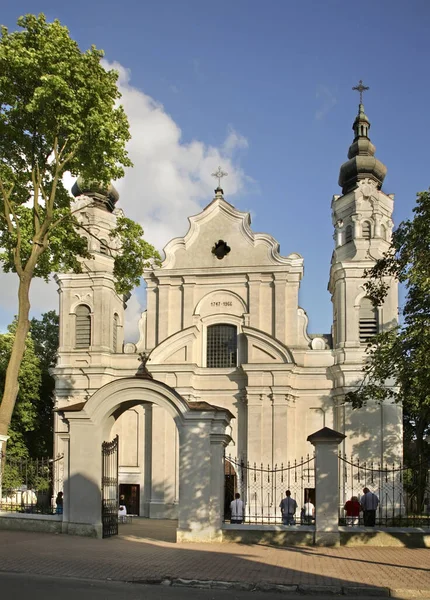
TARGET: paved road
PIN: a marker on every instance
(13, 585)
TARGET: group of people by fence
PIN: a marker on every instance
(288, 507)
(368, 505)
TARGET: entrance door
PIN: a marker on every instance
(110, 500)
(230, 486)
(310, 495)
(131, 493)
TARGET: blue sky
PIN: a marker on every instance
(265, 89)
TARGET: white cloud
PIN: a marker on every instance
(234, 141)
(132, 316)
(170, 181)
(328, 101)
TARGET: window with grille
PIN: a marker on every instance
(348, 234)
(115, 332)
(368, 324)
(83, 327)
(366, 230)
(221, 346)
(103, 247)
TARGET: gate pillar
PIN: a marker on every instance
(201, 485)
(326, 442)
(84, 515)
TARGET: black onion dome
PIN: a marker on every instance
(105, 196)
(362, 163)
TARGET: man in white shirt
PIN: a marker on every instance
(29, 500)
(237, 510)
(308, 512)
(369, 503)
(288, 508)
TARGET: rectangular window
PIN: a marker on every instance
(221, 346)
(368, 321)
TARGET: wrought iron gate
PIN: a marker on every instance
(263, 487)
(110, 501)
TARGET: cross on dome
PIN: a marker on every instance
(361, 88)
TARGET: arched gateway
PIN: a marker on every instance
(202, 439)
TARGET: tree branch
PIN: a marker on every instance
(72, 212)
(8, 209)
(6, 196)
(36, 183)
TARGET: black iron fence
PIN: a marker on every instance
(262, 488)
(395, 485)
(110, 499)
(29, 485)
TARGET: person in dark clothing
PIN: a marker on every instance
(59, 503)
(369, 503)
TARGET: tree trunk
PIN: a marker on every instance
(11, 385)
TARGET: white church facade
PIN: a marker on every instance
(226, 338)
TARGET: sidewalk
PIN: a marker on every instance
(132, 558)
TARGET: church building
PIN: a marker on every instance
(223, 329)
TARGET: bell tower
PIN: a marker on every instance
(91, 312)
(362, 219)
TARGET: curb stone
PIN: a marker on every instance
(276, 587)
(360, 590)
(407, 593)
(320, 589)
(194, 583)
(308, 590)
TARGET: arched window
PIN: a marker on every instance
(115, 332)
(368, 321)
(366, 230)
(83, 327)
(348, 234)
(103, 247)
(221, 348)
(383, 232)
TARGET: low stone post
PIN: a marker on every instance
(326, 442)
(3, 440)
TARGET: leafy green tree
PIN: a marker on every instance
(25, 415)
(58, 112)
(45, 334)
(398, 365)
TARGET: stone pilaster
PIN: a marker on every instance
(254, 305)
(280, 308)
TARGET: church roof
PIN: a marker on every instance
(362, 163)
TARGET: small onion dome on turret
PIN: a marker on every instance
(362, 162)
(105, 197)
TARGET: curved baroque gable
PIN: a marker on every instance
(221, 221)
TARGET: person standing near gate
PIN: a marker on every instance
(369, 503)
(288, 508)
(352, 508)
(237, 510)
(308, 513)
(59, 501)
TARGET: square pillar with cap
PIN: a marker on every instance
(326, 442)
